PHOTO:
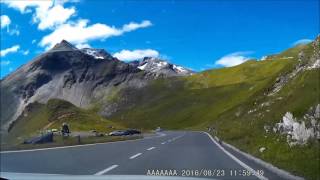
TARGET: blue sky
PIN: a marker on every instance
(196, 34)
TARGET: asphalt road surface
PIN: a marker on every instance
(180, 153)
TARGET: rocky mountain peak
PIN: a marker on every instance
(161, 67)
(152, 63)
(64, 46)
(97, 53)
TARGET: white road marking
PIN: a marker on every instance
(134, 156)
(175, 138)
(150, 148)
(161, 134)
(106, 170)
(163, 143)
(237, 160)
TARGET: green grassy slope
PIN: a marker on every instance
(199, 99)
(38, 117)
(246, 130)
(222, 98)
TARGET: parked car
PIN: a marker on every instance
(132, 131)
(118, 133)
(44, 138)
(124, 132)
(93, 131)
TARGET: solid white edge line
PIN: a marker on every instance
(270, 167)
(81, 145)
(236, 159)
(134, 156)
(151, 148)
(106, 170)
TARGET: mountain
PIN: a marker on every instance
(85, 77)
(63, 46)
(161, 67)
(271, 104)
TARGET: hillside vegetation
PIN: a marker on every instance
(242, 103)
(199, 99)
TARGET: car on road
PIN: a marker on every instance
(124, 132)
(118, 133)
(132, 131)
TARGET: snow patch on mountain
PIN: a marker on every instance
(96, 53)
(179, 69)
(142, 67)
(161, 67)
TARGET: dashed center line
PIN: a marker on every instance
(106, 170)
(150, 148)
(134, 156)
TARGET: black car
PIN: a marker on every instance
(132, 132)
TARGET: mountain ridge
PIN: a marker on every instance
(80, 76)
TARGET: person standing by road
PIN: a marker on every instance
(65, 129)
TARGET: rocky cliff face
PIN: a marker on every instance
(81, 77)
(307, 60)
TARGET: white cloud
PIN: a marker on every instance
(133, 26)
(33, 41)
(302, 41)
(14, 31)
(12, 49)
(25, 52)
(4, 63)
(53, 15)
(80, 32)
(25, 5)
(5, 21)
(127, 55)
(47, 13)
(49, 18)
(81, 46)
(233, 59)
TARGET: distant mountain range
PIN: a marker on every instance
(79, 76)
